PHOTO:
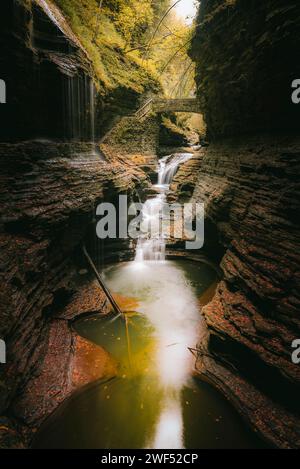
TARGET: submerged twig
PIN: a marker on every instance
(102, 283)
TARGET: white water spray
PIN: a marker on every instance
(171, 330)
(151, 246)
(168, 166)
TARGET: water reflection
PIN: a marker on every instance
(169, 428)
(157, 404)
(170, 305)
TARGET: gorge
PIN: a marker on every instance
(72, 137)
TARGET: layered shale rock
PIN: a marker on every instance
(139, 140)
(135, 140)
(250, 187)
(47, 209)
(251, 194)
(245, 53)
(171, 135)
(184, 181)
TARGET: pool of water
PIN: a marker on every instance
(154, 402)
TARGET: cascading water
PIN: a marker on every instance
(92, 114)
(151, 245)
(154, 397)
(80, 111)
(168, 166)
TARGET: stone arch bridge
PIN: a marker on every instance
(160, 105)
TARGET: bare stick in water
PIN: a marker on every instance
(102, 284)
(112, 301)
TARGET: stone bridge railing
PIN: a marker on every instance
(176, 105)
(160, 105)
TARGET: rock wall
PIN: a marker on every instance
(250, 186)
(47, 75)
(140, 140)
(245, 53)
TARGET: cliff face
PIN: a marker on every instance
(245, 53)
(250, 186)
(45, 70)
(52, 178)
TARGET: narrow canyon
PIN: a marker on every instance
(89, 116)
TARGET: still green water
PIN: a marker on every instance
(154, 402)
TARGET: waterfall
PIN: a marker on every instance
(151, 245)
(92, 116)
(168, 167)
(92, 111)
(80, 110)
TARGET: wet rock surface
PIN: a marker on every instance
(251, 193)
(277, 426)
(70, 363)
(136, 141)
(184, 181)
(47, 208)
(250, 186)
